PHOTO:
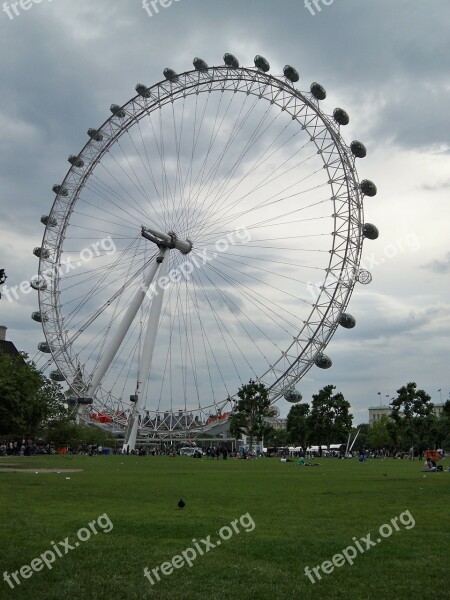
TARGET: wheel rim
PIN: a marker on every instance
(321, 146)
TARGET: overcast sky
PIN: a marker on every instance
(387, 63)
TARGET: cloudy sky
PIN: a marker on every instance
(65, 61)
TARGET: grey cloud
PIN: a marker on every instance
(439, 266)
(386, 63)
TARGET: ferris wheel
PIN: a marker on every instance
(210, 231)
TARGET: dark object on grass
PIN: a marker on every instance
(181, 504)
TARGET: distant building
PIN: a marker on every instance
(376, 412)
(438, 409)
(7, 347)
(276, 422)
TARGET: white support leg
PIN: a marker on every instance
(121, 332)
(353, 443)
(146, 359)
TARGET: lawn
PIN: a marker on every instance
(288, 518)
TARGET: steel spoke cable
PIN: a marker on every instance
(231, 218)
(275, 273)
(272, 200)
(137, 183)
(221, 326)
(223, 183)
(134, 209)
(152, 176)
(103, 220)
(235, 130)
(211, 349)
(265, 283)
(223, 195)
(237, 309)
(178, 206)
(195, 139)
(108, 193)
(258, 162)
(256, 298)
(149, 174)
(107, 212)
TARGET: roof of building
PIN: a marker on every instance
(9, 348)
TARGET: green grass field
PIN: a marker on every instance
(302, 516)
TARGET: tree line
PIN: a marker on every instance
(34, 406)
(327, 420)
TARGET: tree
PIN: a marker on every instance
(379, 435)
(412, 412)
(277, 438)
(250, 412)
(65, 432)
(298, 425)
(28, 399)
(330, 420)
(443, 427)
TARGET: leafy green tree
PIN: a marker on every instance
(379, 435)
(250, 412)
(65, 432)
(298, 425)
(396, 435)
(277, 437)
(412, 412)
(330, 419)
(28, 399)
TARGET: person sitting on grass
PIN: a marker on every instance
(428, 465)
(301, 461)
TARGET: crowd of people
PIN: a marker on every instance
(27, 447)
(21, 447)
